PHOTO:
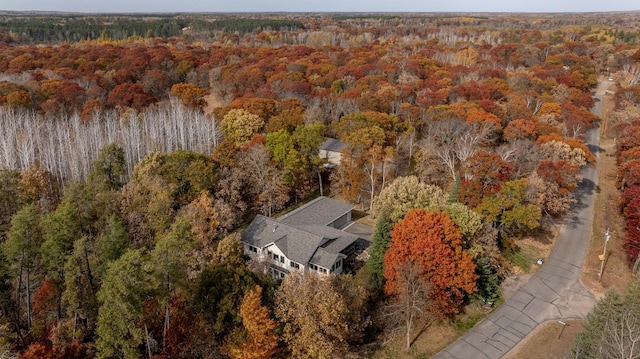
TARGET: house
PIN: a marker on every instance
(306, 239)
(330, 150)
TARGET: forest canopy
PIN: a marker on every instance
(136, 148)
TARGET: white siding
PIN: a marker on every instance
(331, 156)
(276, 257)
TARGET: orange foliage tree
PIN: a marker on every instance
(261, 341)
(432, 241)
(190, 94)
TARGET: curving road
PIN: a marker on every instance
(554, 292)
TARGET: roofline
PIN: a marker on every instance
(317, 199)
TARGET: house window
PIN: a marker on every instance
(313, 266)
(294, 265)
(281, 259)
(276, 257)
(276, 274)
(323, 270)
(338, 263)
(253, 249)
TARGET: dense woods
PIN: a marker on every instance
(136, 148)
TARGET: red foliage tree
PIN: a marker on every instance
(484, 173)
(629, 173)
(129, 95)
(432, 241)
(629, 138)
(562, 173)
(38, 350)
(521, 129)
(631, 202)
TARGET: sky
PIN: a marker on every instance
(146, 6)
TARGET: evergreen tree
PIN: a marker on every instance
(128, 282)
(381, 238)
(22, 251)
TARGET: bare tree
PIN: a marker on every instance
(67, 146)
(410, 301)
(622, 335)
(522, 155)
(454, 140)
(266, 181)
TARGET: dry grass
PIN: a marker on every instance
(606, 216)
(433, 338)
(548, 341)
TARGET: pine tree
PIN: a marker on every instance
(381, 238)
(127, 284)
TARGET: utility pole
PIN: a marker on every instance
(607, 235)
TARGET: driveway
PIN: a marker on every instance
(554, 292)
(361, 230)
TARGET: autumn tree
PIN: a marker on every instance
(203, 220)
(147, 207)
(405, 194)
(129, 95)
(521, 129)
(261, 340)
(238, 126)
(190, 94)
(321, 318)
(558, 180)
(510, 211)
(432, 241)
(483, 174)
(39, 187)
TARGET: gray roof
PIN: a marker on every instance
(320, 211)
(337, 240)
(324, 258)
(319, 245)
(332, 144)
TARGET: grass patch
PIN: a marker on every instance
(473, 315)
(524, 256)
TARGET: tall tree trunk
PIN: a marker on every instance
(167, 310)
(409, 325)
(19, 288)
(29, 318)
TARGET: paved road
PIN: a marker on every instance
(554, 292)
